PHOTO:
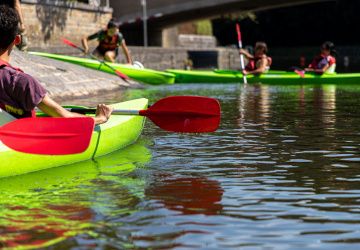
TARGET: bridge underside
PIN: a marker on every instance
(167, 13)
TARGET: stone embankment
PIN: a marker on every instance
(66, 81)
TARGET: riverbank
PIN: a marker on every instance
(66, 81)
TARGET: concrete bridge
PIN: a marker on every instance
(167, 13)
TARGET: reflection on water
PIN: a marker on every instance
(282, 172)
(187, 195)
(47, 207)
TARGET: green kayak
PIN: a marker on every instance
(119, 132)
(148, 76)
(273, 77)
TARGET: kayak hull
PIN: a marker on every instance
(148, 76)
(119, 132)
(273, 77)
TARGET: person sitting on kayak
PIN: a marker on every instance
(20, 93)
(259, 62)
(326, 61)
(109, 41)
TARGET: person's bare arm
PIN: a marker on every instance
(321, 71)
(21, 18)
(126, 52)
(246, 54)
(85, 45)
(52, 108)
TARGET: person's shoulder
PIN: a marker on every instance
(101, 32)
(27, 79)
(12, 71)
(97, 34)
(120, 35)
(331, 59)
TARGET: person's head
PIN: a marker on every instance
(9, 28)
(260, 49)
(328, 48)
(112, 28)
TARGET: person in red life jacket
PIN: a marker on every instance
(326, 61)
(15, 4)
(259, 62)
(20, 93)
(109, 41)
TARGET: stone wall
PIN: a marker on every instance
(197, 41)
(228, 58)
(48, 21)
(159, 58)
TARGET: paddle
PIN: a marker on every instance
(185, 114)
(121, 75)
(50, 136)
(241, 55)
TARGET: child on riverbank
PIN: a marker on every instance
(20, 93)
(109, 40)
(326, 61)
(259, 62)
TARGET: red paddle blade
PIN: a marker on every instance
(69, 43)
(238, 31)
(186, 114)
(51, 136)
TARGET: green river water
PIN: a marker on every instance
(282, 172)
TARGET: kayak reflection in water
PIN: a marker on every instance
(326, 61)
(20, 93)
(259, 62)
(187, 195)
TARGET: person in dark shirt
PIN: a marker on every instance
(109, 40)
(20, 93)
(15, 4)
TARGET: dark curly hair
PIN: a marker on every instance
(9, 26)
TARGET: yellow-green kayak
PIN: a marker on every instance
(119, 132)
